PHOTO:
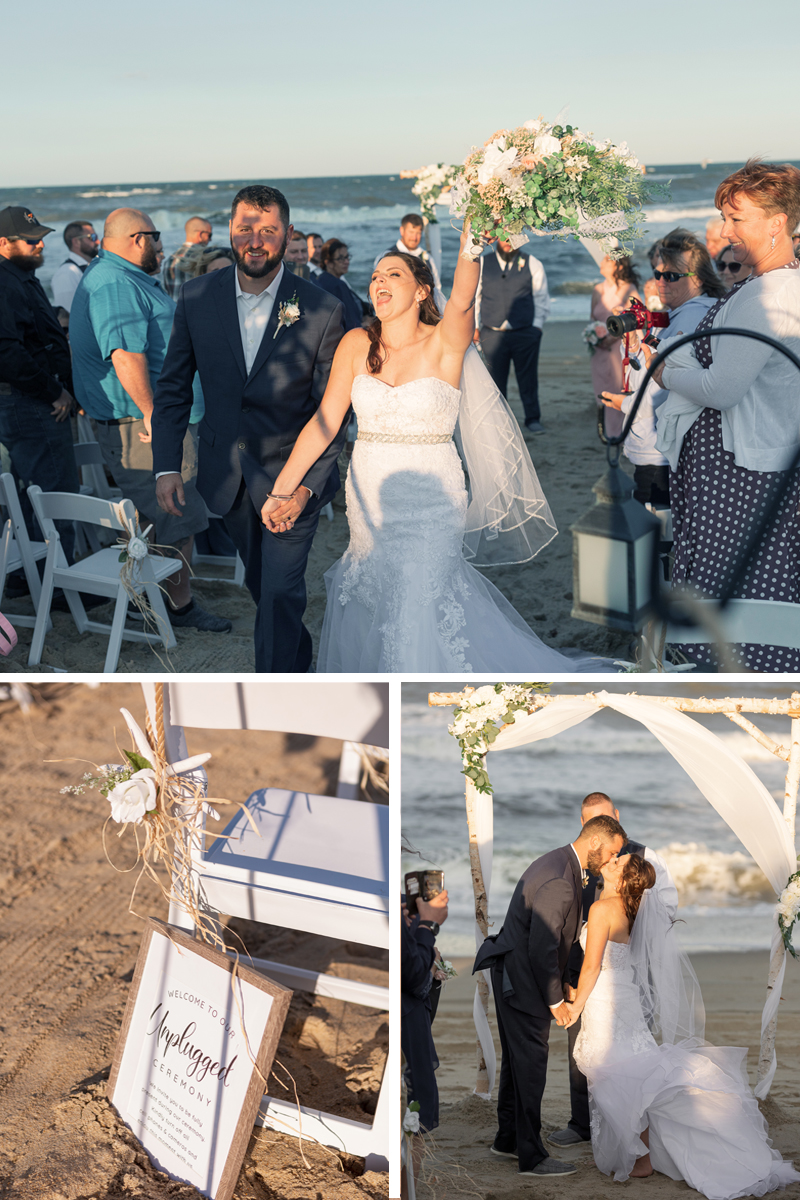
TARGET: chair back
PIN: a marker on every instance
(353, 712)
(70, 506)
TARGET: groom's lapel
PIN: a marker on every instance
(229, 316)
(269, 341)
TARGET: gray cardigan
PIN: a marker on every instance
(755, 387)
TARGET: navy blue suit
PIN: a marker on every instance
(250, 426)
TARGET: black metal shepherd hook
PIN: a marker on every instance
(664, 605)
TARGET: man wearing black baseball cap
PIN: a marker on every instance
(35, 369)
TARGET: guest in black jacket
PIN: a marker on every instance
(335, 260)
(418, 953)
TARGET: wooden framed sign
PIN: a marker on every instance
(194, 1045)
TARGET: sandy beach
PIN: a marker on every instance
(568, 458)
(460, 1165)
(69, 945)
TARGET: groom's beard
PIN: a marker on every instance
(263, 266)
(594, 862)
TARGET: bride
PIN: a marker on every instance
(403, 597)
(683, 1107)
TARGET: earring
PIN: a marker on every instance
(773, 241)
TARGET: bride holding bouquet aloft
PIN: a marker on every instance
(406, 595)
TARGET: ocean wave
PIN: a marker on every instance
(132, 192)
(714, 878)
(665, 215)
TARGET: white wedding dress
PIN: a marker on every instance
(402, 598)
(704, 1121)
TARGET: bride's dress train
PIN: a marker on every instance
(402, 598)
(704, 1121)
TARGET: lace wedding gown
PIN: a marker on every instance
(705, 1124)
(402, 598)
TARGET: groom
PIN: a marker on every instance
(262, 341)
(528, 961)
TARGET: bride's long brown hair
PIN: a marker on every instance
(637, 876)
(428, 312)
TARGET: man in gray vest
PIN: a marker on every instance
(82, 246)
(511, 307)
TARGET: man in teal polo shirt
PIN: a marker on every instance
(120, 324)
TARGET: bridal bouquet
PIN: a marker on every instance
(552, 179)
(432, 181)
(593, 334)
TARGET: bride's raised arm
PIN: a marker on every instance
(457, 326)
(599, 927)
(288, 497)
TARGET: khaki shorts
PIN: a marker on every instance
(130, 461)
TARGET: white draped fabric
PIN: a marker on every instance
(727, 782)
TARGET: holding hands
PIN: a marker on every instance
(280, 512)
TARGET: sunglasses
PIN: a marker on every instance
(673, 276)
(733, 267)
(27, 241)
(90, 237)
(155, 234)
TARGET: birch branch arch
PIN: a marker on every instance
(726, 780)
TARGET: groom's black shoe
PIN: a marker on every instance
(566, 1137)
(550, 1168)
(495, 1149)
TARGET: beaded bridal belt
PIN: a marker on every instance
(406, 439)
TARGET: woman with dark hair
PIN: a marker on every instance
(729, 270)
(620, 285)
(335, 261)
(730, 427)
(660, 1097)
(687, 286)
(403, 597)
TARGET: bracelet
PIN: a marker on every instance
(275, 496)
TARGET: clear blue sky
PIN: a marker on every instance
(95, 91)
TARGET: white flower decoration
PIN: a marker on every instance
(497, 161)
(137, 548)
(132, 798)
(288, 313)
(546, 145)
(411, 1122)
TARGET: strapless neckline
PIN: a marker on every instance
(422, 379)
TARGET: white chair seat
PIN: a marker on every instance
(101, 569)
(318, 862)
(755, 622)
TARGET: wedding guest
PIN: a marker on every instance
(650, 287)
(620, 285)
(296, 256)
(198, 259)
(730, 271)
(688, 287)
(335, 260)
(731, 416)
(412, 228)
(121, 321)
(715, 241)
(35, 371)
(197, 232)
(314, 243)
(418, 958)
(82, 246)
(511, 306)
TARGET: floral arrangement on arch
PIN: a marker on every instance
(789, 910)
(553, 179)
(479, 718)
(432, 182)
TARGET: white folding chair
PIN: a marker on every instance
(99, 574)
(91, 464)
(218, 560)
(321, 863)
(18, 551)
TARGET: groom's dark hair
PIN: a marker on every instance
(604, 827)
(262, 197)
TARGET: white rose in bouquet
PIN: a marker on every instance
(133, 797)
(496, 161)
(546, 145)
(137, 548)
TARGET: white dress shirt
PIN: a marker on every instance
(541, 296)
(66, 279)
(254, 312)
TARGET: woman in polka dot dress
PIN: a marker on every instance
(731, 426)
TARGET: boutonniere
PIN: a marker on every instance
(520, 262)
(288, 313)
